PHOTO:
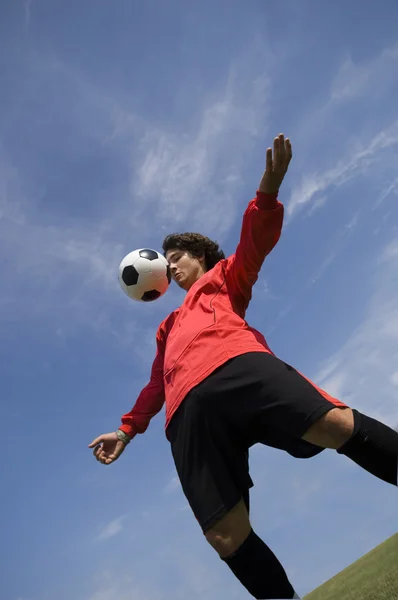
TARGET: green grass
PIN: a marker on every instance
(372, 577)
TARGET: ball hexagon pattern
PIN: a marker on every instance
(144, 275)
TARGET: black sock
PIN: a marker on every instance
(374, 447)
(258, 569)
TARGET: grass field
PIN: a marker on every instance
(372, 577)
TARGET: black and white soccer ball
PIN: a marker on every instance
(144, 275)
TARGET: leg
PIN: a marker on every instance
(289, 407)
(214, 476)
(248, 557)
(229, 533)
(369, 443)
(332, 430)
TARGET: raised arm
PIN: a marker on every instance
(276, 165)
(261, 225)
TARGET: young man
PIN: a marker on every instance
(226, 391)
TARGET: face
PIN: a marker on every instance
(185, 269)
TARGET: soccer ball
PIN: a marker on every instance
(144, 275)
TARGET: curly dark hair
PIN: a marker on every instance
(197, 245)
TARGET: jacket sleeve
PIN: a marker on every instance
(151, 398)
(261, 230)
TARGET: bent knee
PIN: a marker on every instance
(340, 423)
(225, 544)
(333, 429)
(229, 533)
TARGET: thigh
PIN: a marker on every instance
(265, 400)
(287, 403)
(212, 467)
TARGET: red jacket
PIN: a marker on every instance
(209, 327)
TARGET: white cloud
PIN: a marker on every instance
(354, 79)
(361, 372)
(27, 7)
(75, 262)
(332, 252)
(339, 240)
(194, 178)
(190, 181)
(336, 383)
(361, 88)
(111, 529)
(173, 484)
(357, 162)
(12, 206)
(394, 378)
(49, 260)
(125, 590)
(390, 189)
(193, 577)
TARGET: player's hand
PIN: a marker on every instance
(277, 163)
(107, 448)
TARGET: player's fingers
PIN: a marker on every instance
(97, 451)
(280, 161)
(110, 459)
(268, 160)
(95, 442)
(276, 161)
(288, 151)
(102, 457)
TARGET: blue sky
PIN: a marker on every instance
(119, 123)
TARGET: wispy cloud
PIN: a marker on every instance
(355, 163)
(86, 176)
(337, 247)
(352, 95)
(189, 180)
(111, 529)
(173, 484)
(27, 7)
(123, 590)
(390, 189)
(354, 79)
(364, 370)
(330, 253)
(193, 178)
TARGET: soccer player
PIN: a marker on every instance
(225, 391)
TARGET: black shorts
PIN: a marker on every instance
(253, 398)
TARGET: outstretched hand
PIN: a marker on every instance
(107, 448)
(277, 163)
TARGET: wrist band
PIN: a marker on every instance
(123, 437)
